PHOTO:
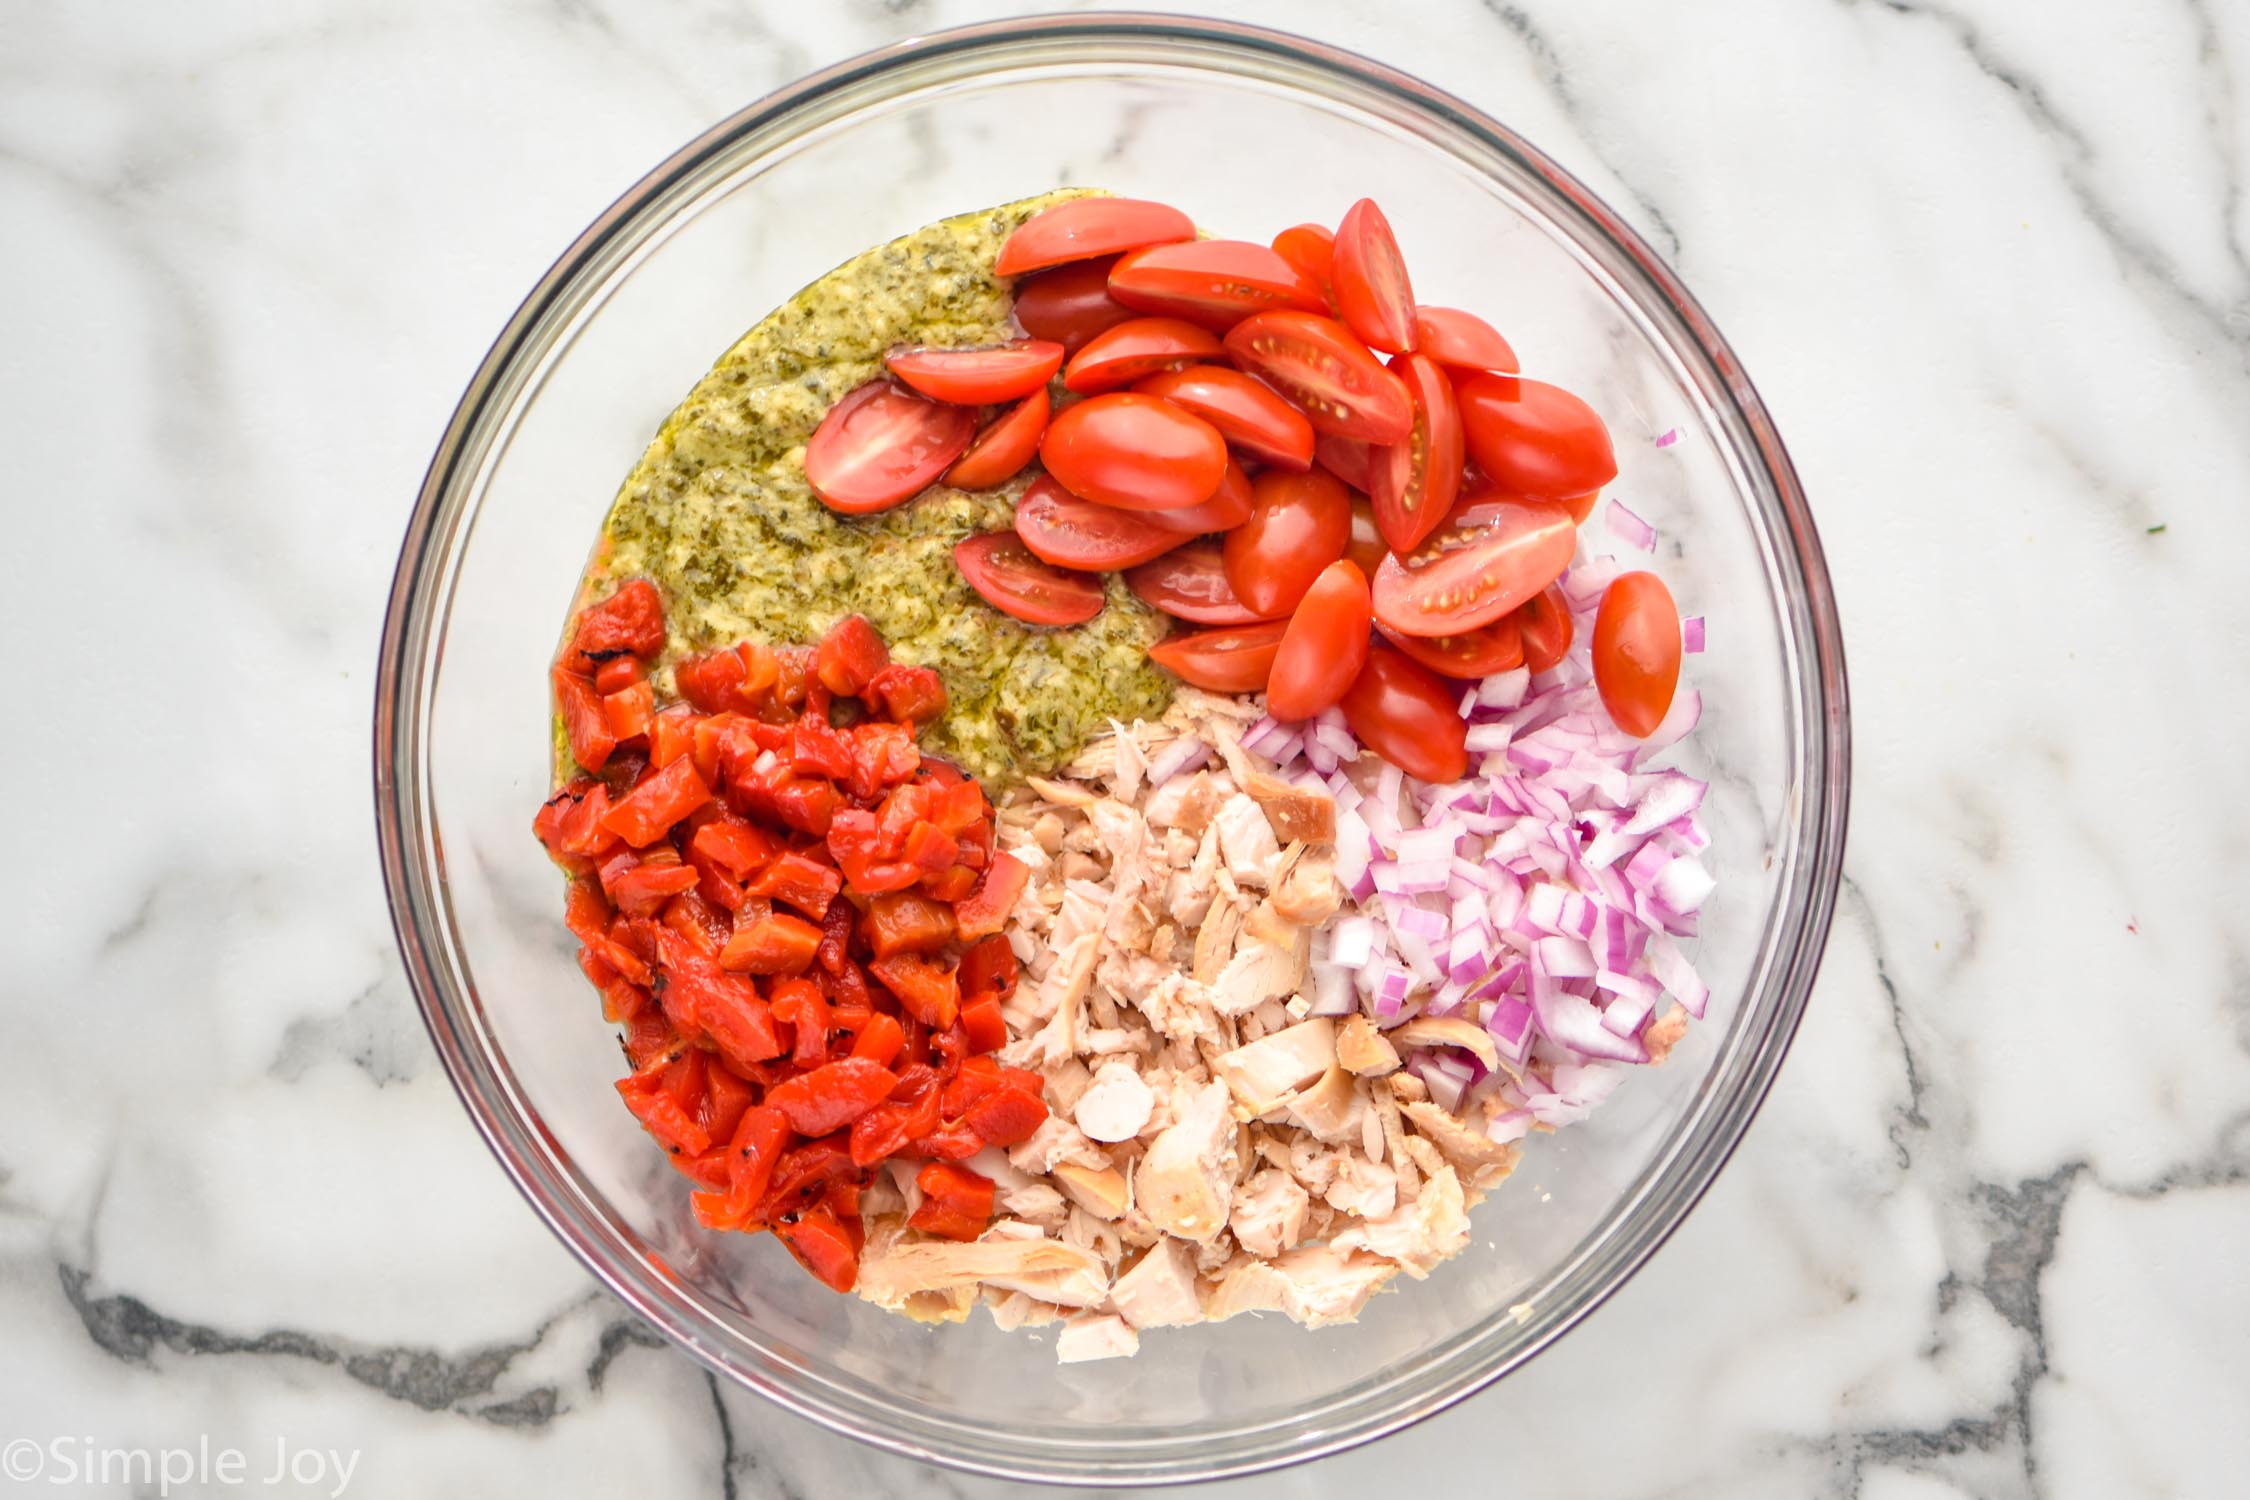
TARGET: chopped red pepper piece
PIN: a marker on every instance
(642, 890)
(930, 848)
(660, 1113)
(818, 749)
(662, 799)
(630, 710)
(584, 721)
(770, 943)
(671, 734)
(880, 1040)
(906, 923)
(800, 1003)
(957, 808)
(753, 1153)
(823, 1246)
(956, 1202)
(989, 964)
(926, 988)
(849, 656)
(804, 883)
(909, 695)
(985, 1029)
(832, 1095)
(618, 674)
(986, 910)
(629, 622)
(1006, 1116)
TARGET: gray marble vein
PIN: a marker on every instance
(1989, 262)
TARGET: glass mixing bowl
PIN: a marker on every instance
(1248, 131)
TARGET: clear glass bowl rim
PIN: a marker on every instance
(420, 593)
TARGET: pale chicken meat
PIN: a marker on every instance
(1159, 1290)
(1185, 1180)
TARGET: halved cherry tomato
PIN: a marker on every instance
(1366, 549)
(1069, 532)
(1231, 659)
(1545, 624)
(1213, 282)
(1401, 711)
(1190, 583)
(1462, 341)
(1248, 413)
(1348, 459)
(1069, 304)
(1471, 655)
(1086, 227)
(1581, 506)
(999, 566)
(1637, 652)
(1535, 438)
(1228, 507)
(1324, 646)
(1494, 552)
(1373, 296)
(1414, 484)
(1134, 452)
(1320, 365)
(1299, 524)
(978, 377)
(1121, 355)
(1008, 442)
(1311, 248)
(881, 446)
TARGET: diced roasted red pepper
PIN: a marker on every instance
(906, 923)
(989, 965)
(702, 998)
(823, 1246)
(569, 824)
(983, 1025)
(648, 1036)
(930, 848)
(832, 1095)
(1006, 1116)
(849, 656)
(629, 622)
(955, 1142)
(816, 748)
(660, 1113)
(793, 666)
(807, 806)
(835, 937)
(901, 810)
(584, 721)
(671, 734)
(630, 710)
(847, 989)
(756, 1149)
(586, 910)
(662, 799)
(985, 911)
(738, 848)
(801, 881)
(880, 1040)
(957, 808)
(618, 674)
(908, 695)
(697, 920)
(956, 1202)
(927, 989)
(725, 1097)
(709, 681)
(770, 942)
(950, 885)
(800, 1003)
(882, 755)
(852, 838)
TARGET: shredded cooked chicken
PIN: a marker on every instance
(1213, 1148)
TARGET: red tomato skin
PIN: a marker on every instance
(1249, 414)
(1467, 657)
(978, 377)
(1134, 452)
(1070, 304)
(1322, 366)
(1462, 341)
(1493, 552)
(1217, 283)
(1311, 248)
(1001, 569)
(1546, 627)
(1299, 524)
(1348, 459)
(1323, 647)
(1230, 659)
(1637, 652)
(1366, 549)
(1086, 227)
(1190, 583)
(1534, 438)
(1118, 356)
(1373, 295)
(1069, 532)
(1228, 507)
(1403, 712)
(1413, 484)
(881, 446)
(999, 453)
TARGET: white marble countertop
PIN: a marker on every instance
(1989, 263)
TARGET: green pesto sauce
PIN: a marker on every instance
(719, 515)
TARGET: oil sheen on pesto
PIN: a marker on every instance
(719, 514)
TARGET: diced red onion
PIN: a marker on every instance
(1177, 759)
(1691, 635)
(1628, 527)
(1332, 993)
(1667, 437)
(1562, 958)
(1261, 737)
(1351, 941)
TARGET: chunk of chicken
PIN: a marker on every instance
(1269, 1210)
(1246, 840)
(1102, 1192)
(1055, 1141)
(1258, 972)
(1463, 1144)
(1214, 941)
(1664, 1033)
(1307, 893)
(1449, 1031)
(1292, 811)
(1362, 1049)
(1264, 1072)
(1184, 802)
(1048, 1270)
(1184, 1181)
(1315, 1285)
(1325, 1108)
(1090, 1336)
(1159, 1290)
(1115, 1105)
(1417, 1235)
